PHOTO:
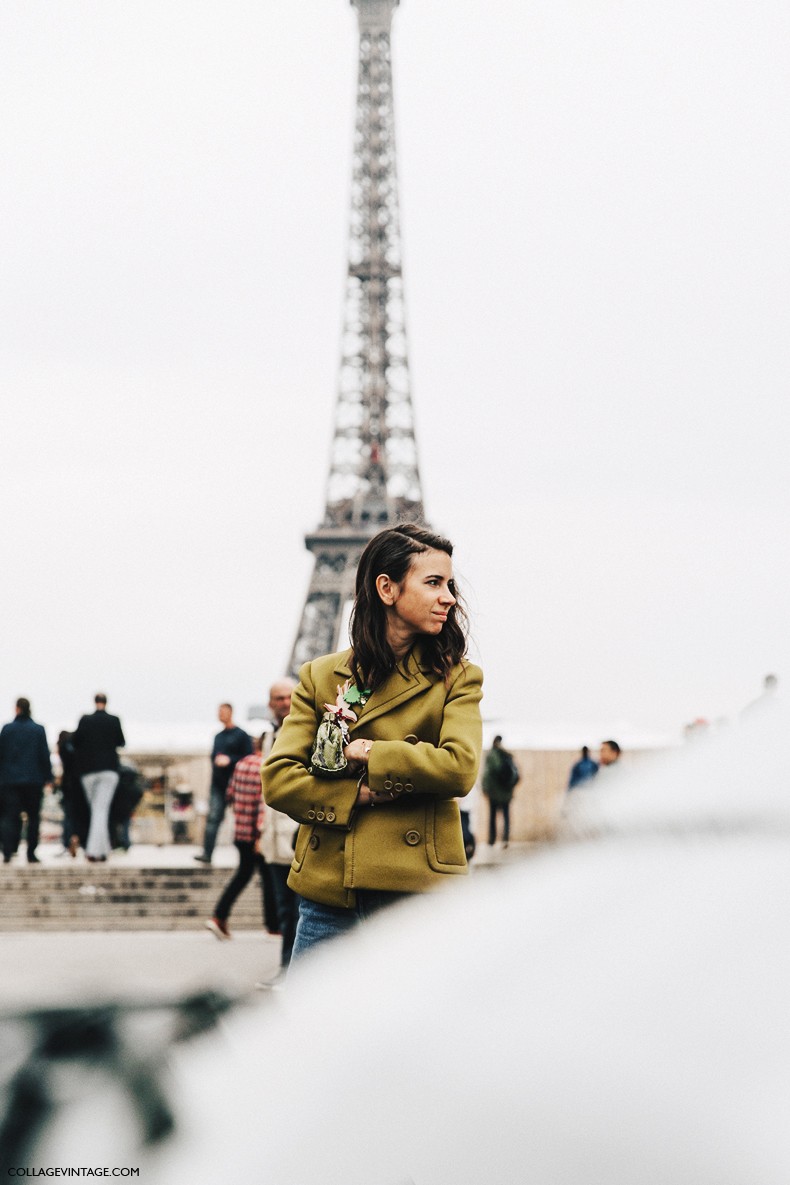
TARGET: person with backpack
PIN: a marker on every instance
(500, 777)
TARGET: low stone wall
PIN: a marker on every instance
(534, 812)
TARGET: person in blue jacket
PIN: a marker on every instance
(25, 769)
(583, 770)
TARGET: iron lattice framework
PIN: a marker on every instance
(374, 478)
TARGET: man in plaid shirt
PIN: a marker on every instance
(244, 795)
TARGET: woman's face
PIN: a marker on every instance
(419, 603)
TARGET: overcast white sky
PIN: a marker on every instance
(595, 204)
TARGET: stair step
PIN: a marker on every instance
(108, 898)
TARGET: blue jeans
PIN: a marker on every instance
(217, 803)
(287, 908)
(317, 922)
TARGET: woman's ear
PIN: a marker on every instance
(386, 589)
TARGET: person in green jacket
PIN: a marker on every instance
(500, 777)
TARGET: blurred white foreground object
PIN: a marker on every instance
(612, 1012)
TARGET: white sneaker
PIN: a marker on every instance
(218, 928)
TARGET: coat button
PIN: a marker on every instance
(311, 814)
(408, 787)
(330, 816)
(315, 842)
(411, 739)
(398, 787)
(388, 784)
(412, 837)
(320, 816)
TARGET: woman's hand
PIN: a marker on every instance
(358, 751)
(368, 797)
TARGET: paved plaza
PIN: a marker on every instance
(45, 969)
(54, 968)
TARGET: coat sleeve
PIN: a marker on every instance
(288, 785)
(446, 770)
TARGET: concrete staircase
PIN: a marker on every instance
(107, 897)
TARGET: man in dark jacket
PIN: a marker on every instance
(96, 742)
(230, 745)
(25, 768)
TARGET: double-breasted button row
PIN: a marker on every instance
(322, 816)
(393, 786)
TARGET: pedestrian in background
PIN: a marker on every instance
(582, 770)
(96, 742)
(230, 745)
(25, 769)
(500, 778)
(128, 794)
(609, 753)
(280, 901)
(278, 836)
(244, 796)
(76, 817)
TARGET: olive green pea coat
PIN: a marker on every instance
(427, 742)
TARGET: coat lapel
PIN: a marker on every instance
(341, 666)
(402, 685)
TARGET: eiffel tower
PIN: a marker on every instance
(374, 478)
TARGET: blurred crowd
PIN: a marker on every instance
(98, 793)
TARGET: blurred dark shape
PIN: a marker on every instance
(127, 796)
(583, 769)
(127, 1042)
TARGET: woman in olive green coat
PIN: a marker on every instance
(380, 741)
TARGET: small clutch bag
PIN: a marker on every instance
(327, 760)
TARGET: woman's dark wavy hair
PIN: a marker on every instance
(391, 553)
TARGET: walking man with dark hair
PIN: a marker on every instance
(609, 753)
(230, 745)
(96, 743)
(25, 769)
